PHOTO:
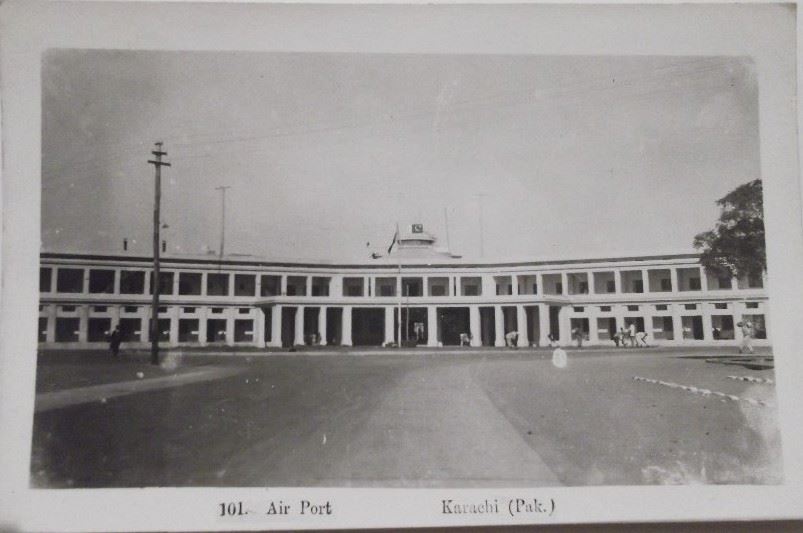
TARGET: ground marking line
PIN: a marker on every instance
(703, 392)
(64, 398)
(751, 379)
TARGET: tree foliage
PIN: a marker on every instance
(736, 244)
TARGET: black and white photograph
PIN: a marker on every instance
(375, 268)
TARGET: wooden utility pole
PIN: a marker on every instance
(154, 326)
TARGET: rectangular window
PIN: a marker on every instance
(217, 310)
(132, 281)
(666, 284)
(244, 310)
(217, 284)
(610, 286)
(244, 285)
(632, 308)
(438, 290)
(725, 283)
(751, 305)
(165, 283)
(661, 307)
(68, 308)
(720, 306)
(189, 283)
(99, 308)
(243, 330)
(690, 306)
(579, 309)
(270, 285)
(70, 280)
(755, 282)
(188, 310)
(101, 281)
(45, 277)
(695, 284)
(471, 290)
(130, 329)
(67, 329)
(188, 330)
(386, 290)
(98, 329)
(559, 287)
(605, 308)
(163, 310)
(638, 285)
(130, 309)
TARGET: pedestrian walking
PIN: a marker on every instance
(114, 341)
(747, 337)
(511, 339)
(631, 333)
(641, 337)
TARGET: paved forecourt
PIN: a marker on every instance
(422, 419)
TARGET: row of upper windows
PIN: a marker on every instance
(103, 281)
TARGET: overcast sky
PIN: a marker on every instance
(569, 156)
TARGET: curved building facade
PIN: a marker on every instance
(428, 296)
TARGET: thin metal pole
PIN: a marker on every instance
(222, 190)
(154, 325)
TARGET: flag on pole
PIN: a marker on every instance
(395, 238)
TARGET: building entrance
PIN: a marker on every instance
(288, 326)
(367, 326)
(452, 321)
(487, 326)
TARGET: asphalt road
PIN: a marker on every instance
(424, 420)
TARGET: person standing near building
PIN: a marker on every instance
(577, 333)
(747, 337)
(631, 333)
(114, 341)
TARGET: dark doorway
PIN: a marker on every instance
(533, 326)
(216, 330)
(311, 326)
(606, 324)
(452, 321)
(554, 322)
(509, 319)
(334, 321)
(367, 326)
(487, 326)
(414, 324)
(639, 321)
(288, 326)
(268, 312)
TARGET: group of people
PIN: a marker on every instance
(629, 336)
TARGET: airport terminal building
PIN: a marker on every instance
(437, 296)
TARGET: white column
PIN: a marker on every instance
(83, 322)
(202, 316)
(619, 314)
(708, 325)
(276, 326)
(345, 338)
(648, 311)
(593, 332)
(703, 280)
(432, 325)
(299, 333)
(283, 285)
(390, 325)
(174, 315)
(645, 280)
(230, 325)
(474, 325)
(539, 284)
(514, 282)
(51, 321)
(308, 290)
(543, 324)
(322, 325)
(259, 327)
(677, 323)
(564, 281)
(673, 276)
(499, 326)
(591, 288)
(521, 326)
(565, 329)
